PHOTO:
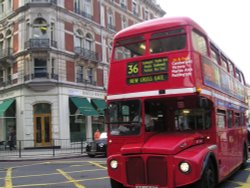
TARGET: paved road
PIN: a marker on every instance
(78, 172)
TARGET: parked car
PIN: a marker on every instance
(248, 130)
(98, 147)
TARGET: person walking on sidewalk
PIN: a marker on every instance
(12, 139)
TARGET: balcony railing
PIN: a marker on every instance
(84, 81)
(40, 75)
(6, 83)
(86, 54)
(40, 43)
(84, 14)
(4, 53)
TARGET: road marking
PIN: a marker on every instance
(241, 184)
(98, 165)
(56, 173)
(30, 165)
(8, 181)
(57, 183)
(68, 177)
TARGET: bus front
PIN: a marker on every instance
(159, 124)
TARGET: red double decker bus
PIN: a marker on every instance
(176, 108)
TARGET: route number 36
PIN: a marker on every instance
(132, 69)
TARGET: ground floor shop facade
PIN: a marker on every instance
(61, 113)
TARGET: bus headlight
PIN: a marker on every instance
(113, 164)
(184, 167)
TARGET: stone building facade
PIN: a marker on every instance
(54, 62)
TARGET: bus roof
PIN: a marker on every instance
(157, 24)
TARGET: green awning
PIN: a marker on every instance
(84, 106)
(100, 105)
(4, 105)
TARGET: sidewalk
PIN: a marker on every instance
(39, 154)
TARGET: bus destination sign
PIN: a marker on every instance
(153, 70)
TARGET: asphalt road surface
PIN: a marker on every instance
(77, 172)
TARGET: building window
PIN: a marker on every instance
(90, 75)
(52, 31)
(146, 14)
(27, 30)
(124, 22)
(134, 7)
(40, 28)
(80, 73)
(53, 71)
(40, 68)
(88, 42)
(79, 39)
(87, 8)
(8, 41)
(111, 20)
(9, 6)
(9, 75)
(1, 76)
(123, 4)
(1, 44)
(77, 5)
(77, 124)
(2, 7)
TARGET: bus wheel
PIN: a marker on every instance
(91, 155)
(244, 157)
(115, 184)
(208, 178)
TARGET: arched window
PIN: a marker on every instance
(79, 38)
(40, 28)
(89, 42)
(42, 108)
(8, 40)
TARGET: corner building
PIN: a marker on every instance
(54, 61)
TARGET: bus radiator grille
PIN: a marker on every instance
(153, 172)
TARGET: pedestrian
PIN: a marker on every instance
(12, 139)
(97, 134)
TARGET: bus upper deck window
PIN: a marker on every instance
(128, 48)
(168, 41)
(199, 43)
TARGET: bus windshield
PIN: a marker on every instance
(159, 116)
(161, 41)
(169, 118)
(167, 41)
(124, 117)
(131, 47)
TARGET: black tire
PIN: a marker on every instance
(91, 155)
(115, 184)
(244, 157)
(208, 178)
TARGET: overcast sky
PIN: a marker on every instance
(227, 22)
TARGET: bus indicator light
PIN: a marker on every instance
(198, 90)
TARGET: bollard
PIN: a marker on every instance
(20, 148)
